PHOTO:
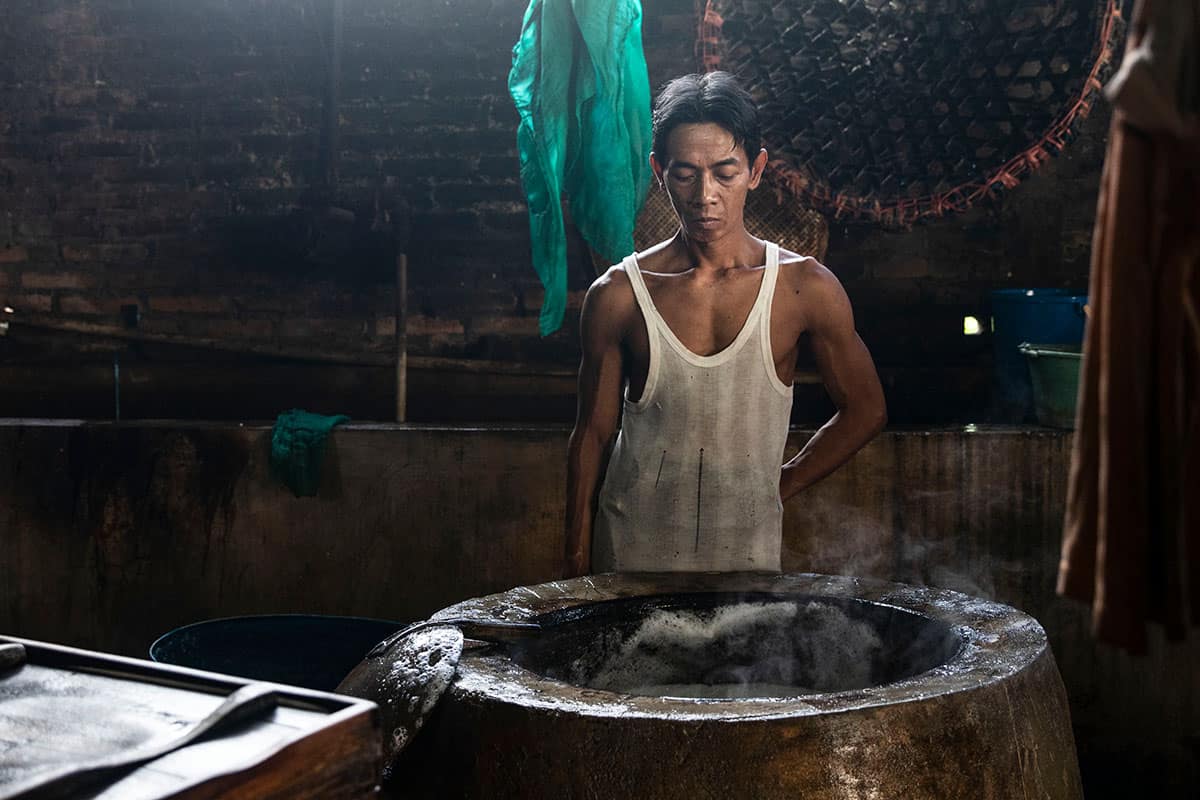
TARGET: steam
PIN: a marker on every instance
(913, 545)
(769, 649)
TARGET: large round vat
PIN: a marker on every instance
(750, 685)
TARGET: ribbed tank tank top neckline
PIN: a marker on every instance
(655, 321)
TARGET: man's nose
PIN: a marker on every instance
(706, 190)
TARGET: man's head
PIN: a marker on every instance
(707, 152)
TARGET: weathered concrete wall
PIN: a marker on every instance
(112, 535)
(121, 533)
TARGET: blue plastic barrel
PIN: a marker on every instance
(1036, 316)
(311, 651)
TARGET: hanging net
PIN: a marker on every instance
(894, 110)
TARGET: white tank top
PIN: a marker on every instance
(693, 481)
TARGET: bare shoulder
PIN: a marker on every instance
(609, 304)
(611, 290)
(806, 276)
(812, 289)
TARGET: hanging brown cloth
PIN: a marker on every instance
(1131, 543)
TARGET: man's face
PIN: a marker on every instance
(707, 177)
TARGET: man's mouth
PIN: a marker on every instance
(706, 222)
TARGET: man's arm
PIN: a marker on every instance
(600, 376)
(850, 379)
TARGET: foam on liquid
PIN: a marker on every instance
(764, 649)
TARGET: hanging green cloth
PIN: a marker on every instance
(298, 448)
(580, 85)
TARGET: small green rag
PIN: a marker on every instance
(297, 448)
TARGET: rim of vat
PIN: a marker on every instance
(998, 641)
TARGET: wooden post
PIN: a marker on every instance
(328, 154)
(401, 337)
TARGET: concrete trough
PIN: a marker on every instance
(797, 685)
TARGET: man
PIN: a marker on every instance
(703, 331)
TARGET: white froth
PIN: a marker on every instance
(765, 649)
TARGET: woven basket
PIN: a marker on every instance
(895, 110)
(770, 214)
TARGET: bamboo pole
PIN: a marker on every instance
(401, 337)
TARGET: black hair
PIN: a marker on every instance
(714, 97)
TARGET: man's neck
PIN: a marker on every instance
(735, 250)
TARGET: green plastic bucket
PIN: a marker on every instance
(1054, 373)
(1053, 317)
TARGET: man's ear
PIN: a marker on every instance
(657, 168)
(757, 168)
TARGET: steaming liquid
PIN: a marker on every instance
(764, 649)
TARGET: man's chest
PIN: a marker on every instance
(707, 319)
(706, 316)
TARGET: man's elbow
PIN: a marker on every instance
(879, 420)
(879, 414)
(873, 417)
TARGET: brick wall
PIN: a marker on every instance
(151, 154)
(142, 144)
